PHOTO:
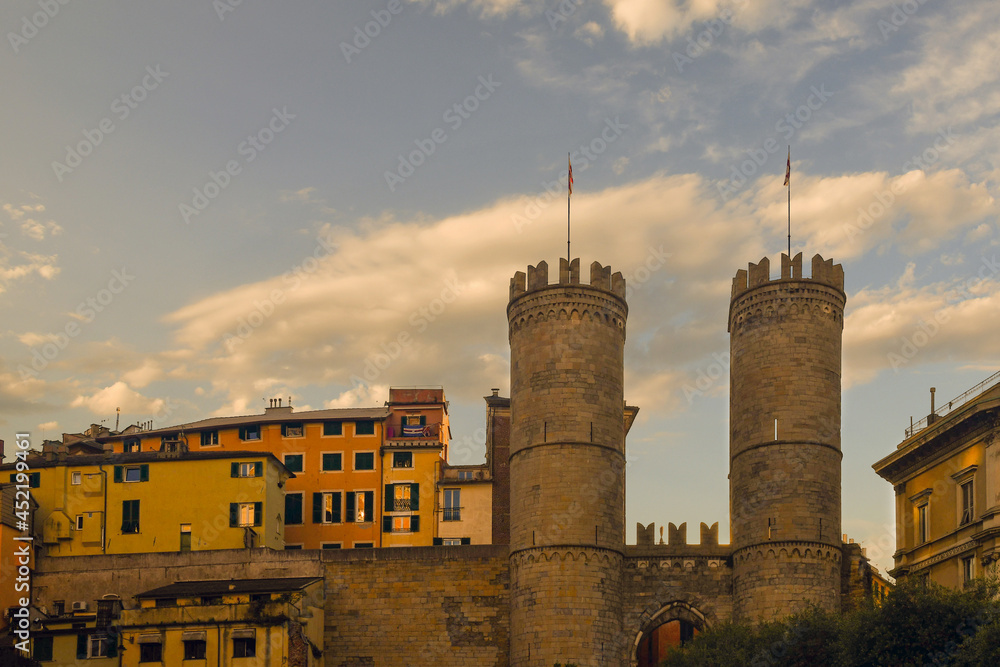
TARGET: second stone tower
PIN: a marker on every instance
(784, 448)
(567, 466)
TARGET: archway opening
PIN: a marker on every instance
(656, 643)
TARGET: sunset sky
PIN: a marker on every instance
(206, 205)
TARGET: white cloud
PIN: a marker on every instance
(118, 395)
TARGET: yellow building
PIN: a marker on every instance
(259, 622)
(946, 476)
(465, 498)
(152, 501)
(86, 634)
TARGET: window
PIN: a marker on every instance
(209, 438)
(967, 503)
(968, 569)
(364, 460)
(185, 537)
(247, 469)
(923, 524)
(42, 649)
(211, 599)
(168, 443)
(292, 430)
(363, 545)
(77, 478)
(166, 602)
(130, 516)
(330, 545)
(333, 428)
(34, 479)
(452, 505)
(401, 524)
(333, 461)
(79, 522)
(294, 462)
(465, 475)
(366, 427)
(293, 547)
(402, 459)
(293, 509)
(138, 473)
(151, 652)
(131, 445)
(250, 432)
(413, 426)
(402, 497)
(245, 514)
(244, 647)
(326, 507)
(97, 647)
(451, 541)
(194, 649)
(360, 506)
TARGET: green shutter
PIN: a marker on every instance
(258, 469)
(258, 514)
(35, 480)
(81, 647)
(234, 469)
(336, 507)
(390, 497)
(118, 473)
(414, 497)
(351, 514)
(387, 524)
(144, 472)
(243, 435)
(437, 541)
(369, 506)
(234, 514)
(317, 508)
(466, 540)
(414, 524)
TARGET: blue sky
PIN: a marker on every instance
(206, 205)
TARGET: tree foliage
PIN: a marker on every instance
(915, 625)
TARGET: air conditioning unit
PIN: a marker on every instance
(80, 605)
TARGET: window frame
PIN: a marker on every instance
(247, 643)
(923, 523)
(322, 461)
(289, 429)
(247, 431)
(79, 522)
(452, 511)
(133, 512)
(37, 648)
(339, 430)
(213, 438)
(131, 445)
(363, 434)
(968, 565)
(967, 502)
(188, 643)
(302, 461)
(336, 506)
(76, 478)
(355, 467)
(406, 466)
(159, 652)
(351, 506)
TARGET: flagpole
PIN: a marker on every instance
(789, 177)
(569, 185)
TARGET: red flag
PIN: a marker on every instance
(788, 166)
(570, 175)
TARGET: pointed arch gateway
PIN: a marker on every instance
(674, 624)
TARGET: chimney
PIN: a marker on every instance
(932, 417)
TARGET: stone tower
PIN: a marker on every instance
(567, 463)
(784, 447)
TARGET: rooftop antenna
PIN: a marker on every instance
(569, 183)
(118, 414)
(788, 184)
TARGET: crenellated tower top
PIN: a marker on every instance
(569, 274)
(823, 271)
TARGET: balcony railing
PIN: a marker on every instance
(401, 505)
(954, 403)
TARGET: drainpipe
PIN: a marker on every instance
(104, 515)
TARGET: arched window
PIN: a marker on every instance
(673, 625)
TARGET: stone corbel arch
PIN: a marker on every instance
(678, 610)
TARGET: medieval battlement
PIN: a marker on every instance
(537, 278)
(645, 537)
(823, 271)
